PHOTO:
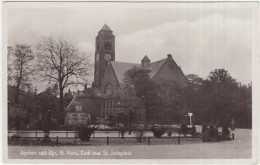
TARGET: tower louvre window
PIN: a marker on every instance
(107, 45)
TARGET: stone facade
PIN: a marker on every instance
(105, 52)
(170, 72)
(162, 71)
(114, 101)
(121, 105)
(110, 83)
(81, 109)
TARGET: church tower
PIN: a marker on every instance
(105, 52)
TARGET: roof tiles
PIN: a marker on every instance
(120, 68)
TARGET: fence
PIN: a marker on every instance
(110, 138)
(71, 134)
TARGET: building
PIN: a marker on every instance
(117, 103)
(162, 71)
(105, 52)
(84, 108)
(110, 79)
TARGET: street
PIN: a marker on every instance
(240, 148)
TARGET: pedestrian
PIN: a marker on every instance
(204, 129)
(121, 130)
(184, 128)
(225, 132)
(232, 124)
(193, 130)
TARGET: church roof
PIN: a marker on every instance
(88, 103)
(124, 93)
(127, 98)
(121, 67)
(154, 67)
(105, 28)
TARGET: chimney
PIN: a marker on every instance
(145, 61)
(169, 55)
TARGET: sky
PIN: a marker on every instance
(200, 36)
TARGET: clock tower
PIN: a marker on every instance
(105, 52)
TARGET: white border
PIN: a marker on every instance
(255, 82)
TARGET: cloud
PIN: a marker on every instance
(198, 46)
(200, 39)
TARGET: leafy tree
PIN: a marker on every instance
(173, 102)
(47, 106)
(10, 52)
(46, 100)
(195, 82)
(219, 95)
(243, 112)
(138, 80)
(193, 94)
(222, 79)
(158, 132)
(84, 132)
(19, 67)
(219, 98)
(29, 103)
(53, 89)
(216, 99)
(60, 62)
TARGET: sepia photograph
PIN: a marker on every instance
(130, 82)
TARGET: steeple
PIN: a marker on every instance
(105, 52)
(105, 28)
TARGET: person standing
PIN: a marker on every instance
(232, 124)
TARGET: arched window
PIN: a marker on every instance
(108, 90)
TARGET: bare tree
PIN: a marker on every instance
(60, 62)
(19, 67)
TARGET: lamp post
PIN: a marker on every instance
(130, 120)
(125, 117)
(46, 128)
(190, 115)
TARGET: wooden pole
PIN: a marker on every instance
(107, 140)
(179, 140)
(57, 140)
(141, 136)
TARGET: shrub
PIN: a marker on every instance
(184, 128)
(158, 132)
(15, 137)
(169, 134)
(84, 132)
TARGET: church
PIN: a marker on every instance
(112, 101)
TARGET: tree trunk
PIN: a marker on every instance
(62, 116)
(17, 93)
(61, 97)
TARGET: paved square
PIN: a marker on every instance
(240, 148)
